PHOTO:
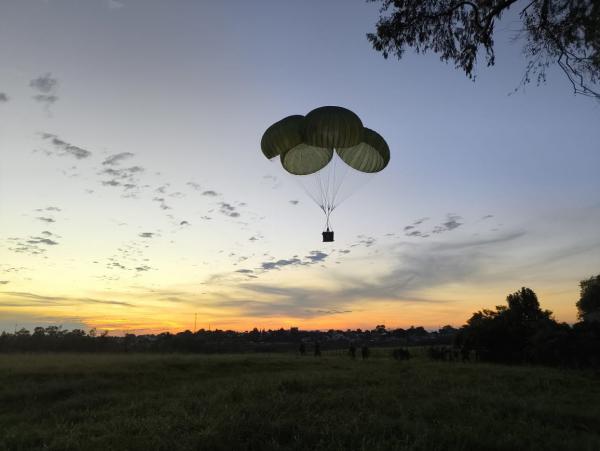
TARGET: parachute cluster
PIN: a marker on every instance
(306, 144)
(329, 152)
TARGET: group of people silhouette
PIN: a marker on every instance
(364, 350)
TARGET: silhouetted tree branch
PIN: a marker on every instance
(565, 33)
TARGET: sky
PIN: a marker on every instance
(134, 194)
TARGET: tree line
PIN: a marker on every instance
(518, 332)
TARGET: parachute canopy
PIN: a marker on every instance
(305, 144)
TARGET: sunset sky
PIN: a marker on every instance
(134, 195)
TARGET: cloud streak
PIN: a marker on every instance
(26, 299)
(63, 148)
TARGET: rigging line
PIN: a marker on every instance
(342, 180)
(333, 186)
(319, 188)
(327, 198)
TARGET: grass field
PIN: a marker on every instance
(262, 402)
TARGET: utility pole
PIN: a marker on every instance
(195, 320)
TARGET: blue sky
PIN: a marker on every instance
(183, 91)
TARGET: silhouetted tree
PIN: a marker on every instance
(588, 305)
(505, 335)
(556, 32)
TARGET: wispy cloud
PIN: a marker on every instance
(451, 223)
(117, 158)
(363, 240)
(228, 210)
(44, 83)
(3, 97)
(63, 148)
(114, 5)
(46, 86)
(412, 269)
(23, 299)
(312, 258)
(194, 185)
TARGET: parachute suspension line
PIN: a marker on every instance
(323, 203)
(331, 196)
(342, 178)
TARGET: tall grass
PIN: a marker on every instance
(268, 402)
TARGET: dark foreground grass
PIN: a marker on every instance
(263, 402)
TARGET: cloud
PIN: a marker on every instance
(184, 223)
(143, 268)
(4, 282)
(48, 209)
(210, 193)
(245, 271)
(46, 86)
(413, 268)
(44, 98)
(366, 241)
(450, 224)
(117, 158)
(417, 233)
(44, 83)
(127, 178)
(34, 245)
(194, 185)
(3, 97)
(294, 202)
(38, 240)
(146, 234)
(63, 148)
(24, 299)
(114, 5)
(487, 217)
(280, 263)
(123, 173)
(228, 210)
(316, 256)
(312, 258)
(45, 219)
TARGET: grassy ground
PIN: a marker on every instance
(263, 402)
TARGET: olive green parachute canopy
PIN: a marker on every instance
(305, 144)
(332, 127)
(304, 159)
(371, 155)
(282, 136)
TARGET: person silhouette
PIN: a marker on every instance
(302, 349)
(352, 351)
(365, 352)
